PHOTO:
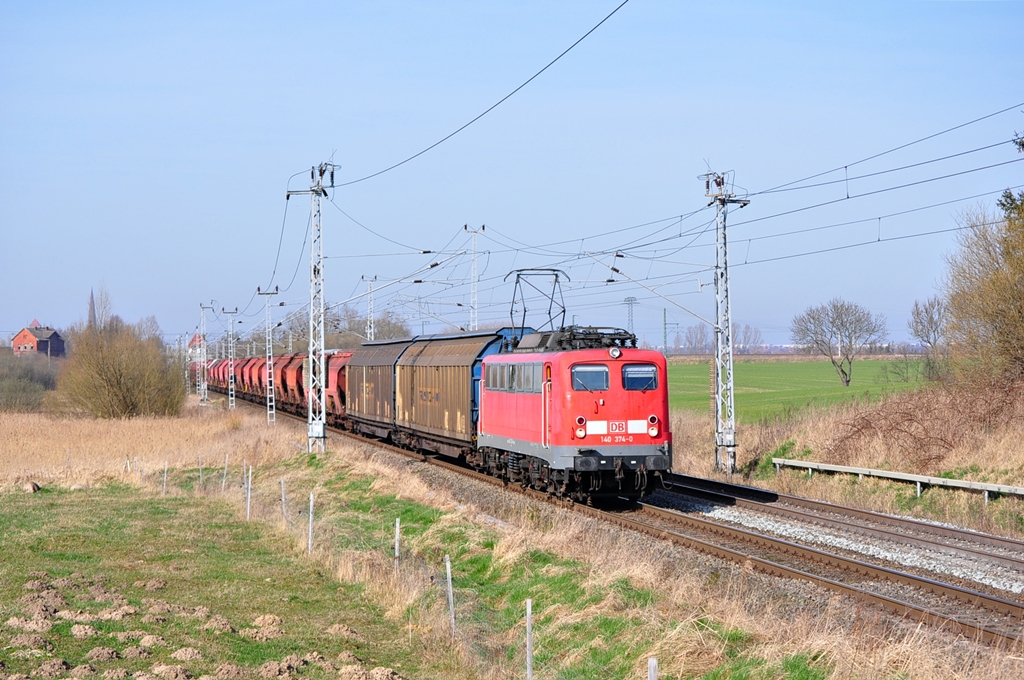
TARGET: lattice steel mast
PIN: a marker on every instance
(231, 355)
(473, 313)
(271, 402)
(630, 301)
(204, 361)
(725, 416)
(316, 378)
(371, 327)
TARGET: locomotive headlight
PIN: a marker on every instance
(581, 432)
(653, 420)
(615, 352)
(581, 421)
(653, 430)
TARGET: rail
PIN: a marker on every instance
(920, 480)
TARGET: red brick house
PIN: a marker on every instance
(39, 339)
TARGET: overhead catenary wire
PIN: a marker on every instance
(892, 150)
(492, 107)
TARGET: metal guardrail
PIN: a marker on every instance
(920, 480)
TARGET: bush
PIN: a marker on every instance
(24, 380)
(121, 371)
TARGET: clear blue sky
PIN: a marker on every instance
(146, 148)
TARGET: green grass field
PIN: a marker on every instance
(770, 389)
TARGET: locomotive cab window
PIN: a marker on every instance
(640, 377)
(590, 378)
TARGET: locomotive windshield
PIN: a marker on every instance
(640, 377)
(590, 377)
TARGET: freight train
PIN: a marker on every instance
(580, 412)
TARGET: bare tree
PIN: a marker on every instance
(746, 338)
(838, 330)
(697, 340)
(985, 288)
(927, 325)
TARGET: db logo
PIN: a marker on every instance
(617, 427)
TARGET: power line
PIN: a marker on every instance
(894, 149)
(885, 172)
(492, 107)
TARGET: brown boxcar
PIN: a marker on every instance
(371, 386)
(435, 388)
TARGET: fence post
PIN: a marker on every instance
(200, 473)
(284, 510)
(451, 599)
(919, 489)
(224, 479)
(165, 478)
(529, 639)
(309, 542)
(248, 495)
(652, 669)
(398, 525)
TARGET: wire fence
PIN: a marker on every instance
(446, 612)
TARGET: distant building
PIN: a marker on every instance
(38, 339)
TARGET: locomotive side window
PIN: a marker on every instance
(640, 377)
(590, 378)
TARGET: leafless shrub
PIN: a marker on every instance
(121, 371)
(922, 427)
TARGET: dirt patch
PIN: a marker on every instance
(348, 658)
(115, 674)
(152, 641)
(116, 613)
(266, 621)
(170, 672)
(353, 672)
(199, 612)
(30, 641)
(219, 624)
(382, 673)
(347, 632)
(40, 610)
(51, 669)
(135, 653)
(78, 616)
(187, 654)
(102, 654)
(66, 583)
(293, 662)
(262, 634)
(50, 597)
(83, 671)
(126, 635)
(230, 671)
(36, 585)
(154, 618)
(319, 660)
(29, 625)
(273, 669)
(80, 631)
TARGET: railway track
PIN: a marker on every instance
(977, 616)
(1008, 552)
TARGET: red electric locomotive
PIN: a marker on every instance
(579, 412)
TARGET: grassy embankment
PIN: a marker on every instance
(603, 600)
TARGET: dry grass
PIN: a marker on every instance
(703, 613)
(68, 451)
(966, 431)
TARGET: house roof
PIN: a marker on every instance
(42, 333)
